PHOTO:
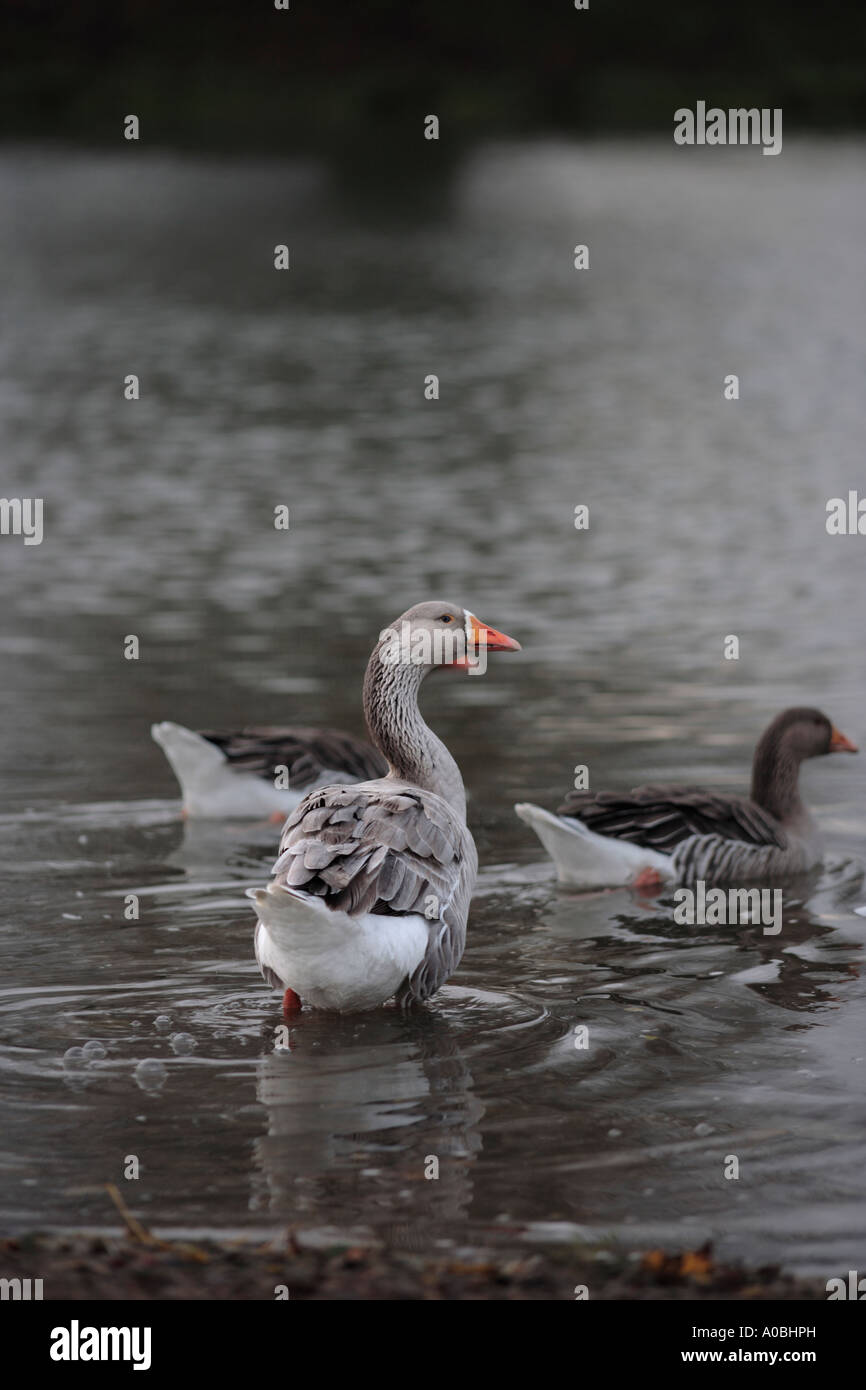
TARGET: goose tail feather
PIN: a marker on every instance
(584, 859)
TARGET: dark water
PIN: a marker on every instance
(306, 388)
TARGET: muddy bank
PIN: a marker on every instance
(87, 1267)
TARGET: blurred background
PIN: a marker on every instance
(558, 387)
(327, 76)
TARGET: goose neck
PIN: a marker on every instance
(775, 781)
(414, 753)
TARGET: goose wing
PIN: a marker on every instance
(720, 860)
(375, 848)
(310, 754)
(661, 817)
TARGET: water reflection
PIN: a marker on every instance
(332, 1100)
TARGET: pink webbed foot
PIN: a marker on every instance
(276, 817)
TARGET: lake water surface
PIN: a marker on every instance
(557, 388)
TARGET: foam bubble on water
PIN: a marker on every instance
(150, 1074)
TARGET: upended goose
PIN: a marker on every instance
(682, 834)
(371, 889)
(238, 774)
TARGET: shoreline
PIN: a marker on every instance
(297, 1267)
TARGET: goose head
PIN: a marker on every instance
(441, 634)
(793, 736)
(428, 636)
(802, 733)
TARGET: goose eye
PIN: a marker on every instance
(446, 618)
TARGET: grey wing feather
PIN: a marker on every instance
(719, 860)
(374, 848)
(661, 817)
(308, 753)
(446, 943)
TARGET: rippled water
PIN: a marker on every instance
(557, 388)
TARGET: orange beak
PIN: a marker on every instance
(484, 636)
(840, 744)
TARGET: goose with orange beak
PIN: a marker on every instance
(371, 890)
(657, 834)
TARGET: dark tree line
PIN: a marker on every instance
(225, 73)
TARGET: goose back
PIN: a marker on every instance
(661, 817)
(385, 847)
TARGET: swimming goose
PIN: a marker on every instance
(682, 834)
(237, 774)
(371, 888)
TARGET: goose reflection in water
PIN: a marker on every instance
(371, 1122)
